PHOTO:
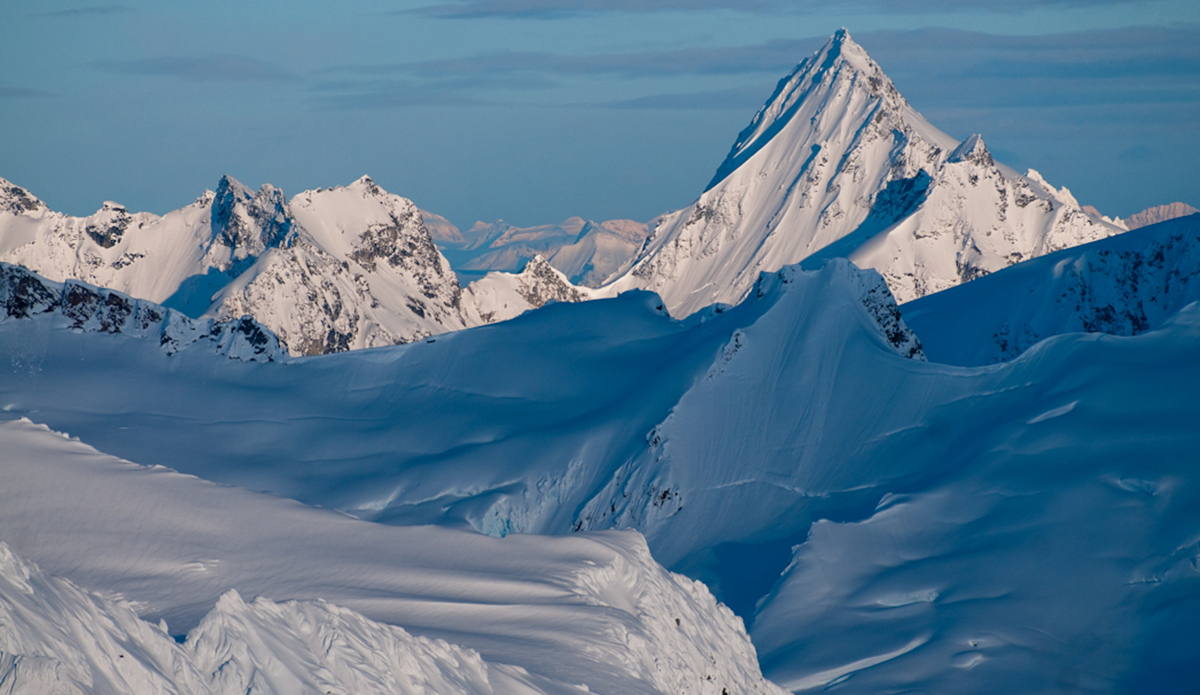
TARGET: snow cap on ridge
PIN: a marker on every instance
(17, 200)
(839, 55)
(972, 149)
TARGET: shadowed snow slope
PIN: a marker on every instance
(541, 614)
(1124, 286)
(1032, 522)
(837, 164)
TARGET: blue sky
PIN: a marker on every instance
(535, 110)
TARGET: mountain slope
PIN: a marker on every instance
(557, 615)
(1121, 286)
(959, 504)
(838, 164)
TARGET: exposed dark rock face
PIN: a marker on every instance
(106, 226)
(17, 200)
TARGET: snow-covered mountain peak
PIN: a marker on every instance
(502, 296)
(839, 72)
(972, 150)
(17, 200)
(333, 269)
(838, 164)
(247, 222)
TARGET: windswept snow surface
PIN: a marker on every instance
(886, 523)
(838, 164)
(58, 638)
(1123, 286)
(523, 614)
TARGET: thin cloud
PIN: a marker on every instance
(400, 93)
(210, 68)
(23, 93)
(564, 9)
(561, 9)
(934, 68)
(737, 99)
(389, 95)
(945, 67)
(89, 11)
(769, 57)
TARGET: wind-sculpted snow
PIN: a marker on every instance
(1122, 286)
(838, 164)
(369, 608)
(57, 638)
(81, 307)
(1052, 548)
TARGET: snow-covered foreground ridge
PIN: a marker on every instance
(429, 610)
(886, 523)
(838, 164)
(330, 270)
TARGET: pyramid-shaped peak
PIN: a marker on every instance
(368, 186)
(841, 44)
(818, 85)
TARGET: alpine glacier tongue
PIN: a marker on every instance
(838, 164)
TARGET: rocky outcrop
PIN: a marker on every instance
(25, 295)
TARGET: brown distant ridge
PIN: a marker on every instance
(1159, 213)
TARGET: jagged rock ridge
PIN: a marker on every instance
(24, 295)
